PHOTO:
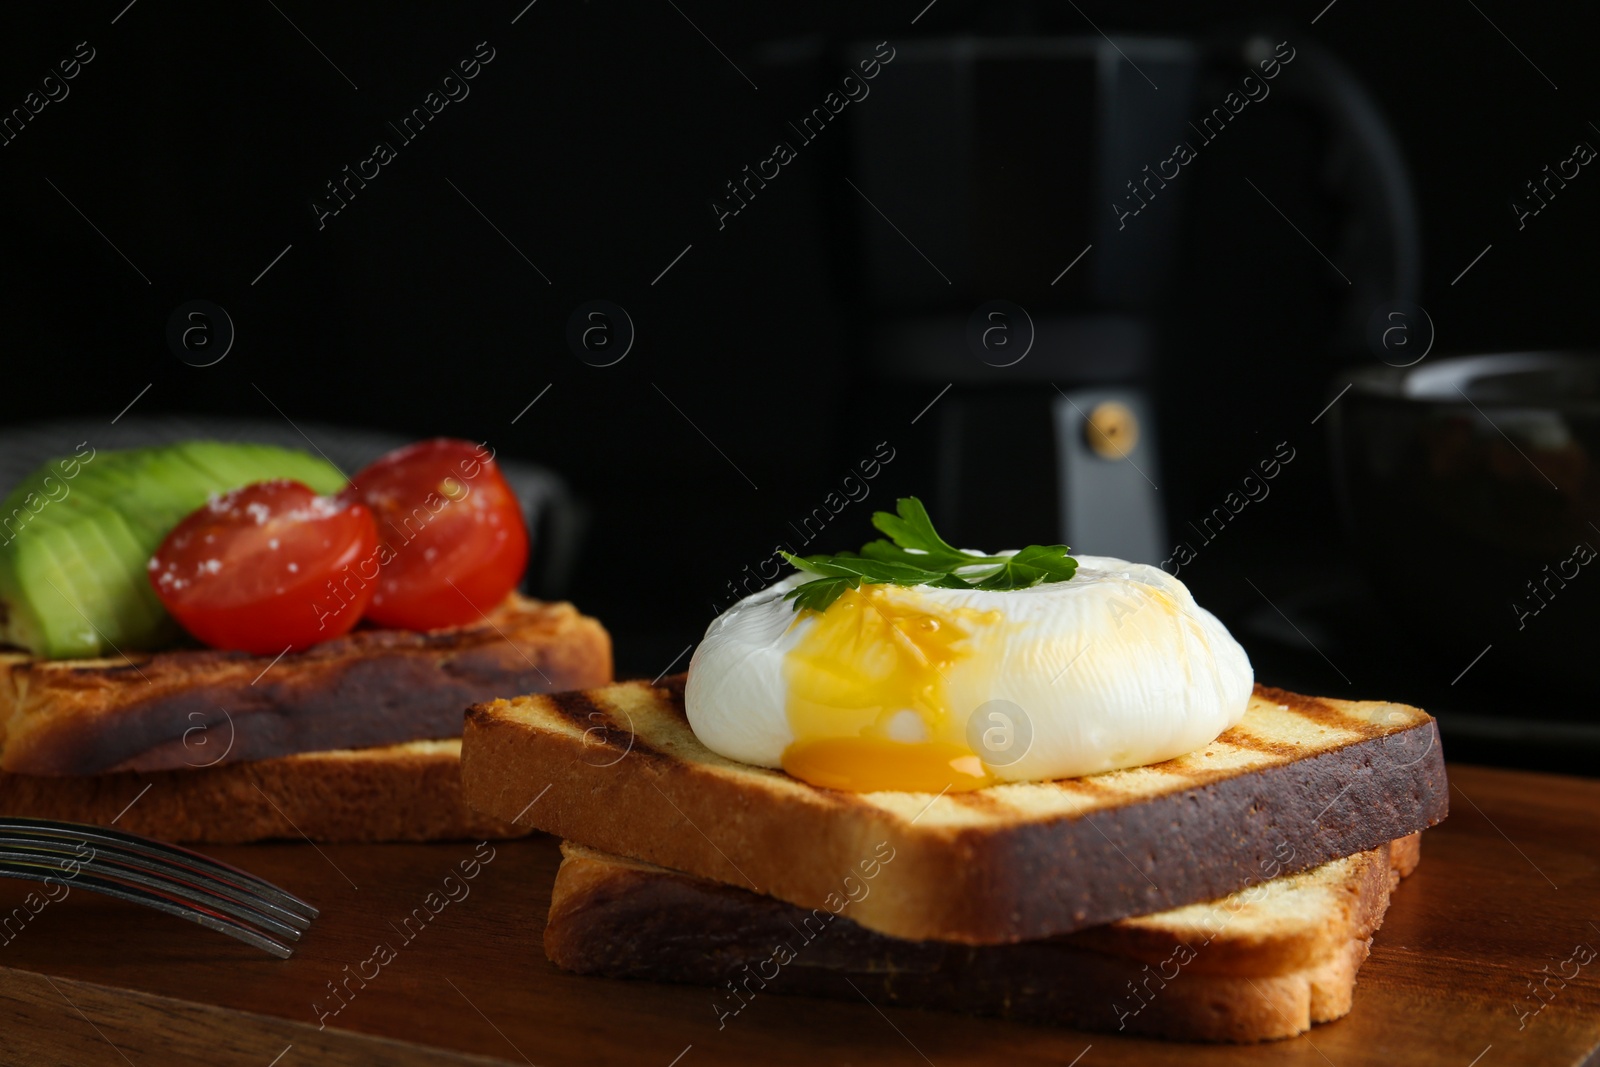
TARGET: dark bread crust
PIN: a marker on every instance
(408, 792)
(622, 919)
(1299, 782)
(184, 709)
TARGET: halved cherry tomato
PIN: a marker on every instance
(452, 542)
(268, 567)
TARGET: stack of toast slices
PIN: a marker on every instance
(354, 739)
(1230, 894)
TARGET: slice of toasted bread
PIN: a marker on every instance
(404, 792)
(193, 708)
(1300, 781)
(1267, 962)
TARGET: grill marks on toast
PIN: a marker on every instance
(1238, 738)
(605, 715)
(581, 710)
(1314, 708)
(600, 727)
(607, 723)
(978, 800)
(1089, 787)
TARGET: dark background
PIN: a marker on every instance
(197, 138)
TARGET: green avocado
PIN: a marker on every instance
(76, 535)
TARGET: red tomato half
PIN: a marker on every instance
(267, 567)
(452, 542)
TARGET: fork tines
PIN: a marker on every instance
(166, 877)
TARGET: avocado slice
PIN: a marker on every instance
(76, 535)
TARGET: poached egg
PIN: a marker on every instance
(924, 689)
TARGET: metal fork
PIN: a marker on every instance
(174, 880)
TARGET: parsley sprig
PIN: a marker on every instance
(915, 554)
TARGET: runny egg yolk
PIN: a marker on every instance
(867, 697)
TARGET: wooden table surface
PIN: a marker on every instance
(1509, 885)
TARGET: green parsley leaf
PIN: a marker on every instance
(913, 529)
(1032, 565)
(848, 564)
(817, 595)
(915, 554)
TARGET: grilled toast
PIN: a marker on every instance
(191, 708)
(1299, 782)
(1266, 962)
(355, 739)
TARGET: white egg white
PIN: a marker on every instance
(1118, 667)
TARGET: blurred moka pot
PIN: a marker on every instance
(1018, 208)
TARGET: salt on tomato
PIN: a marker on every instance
(266, 568)
(452, 543)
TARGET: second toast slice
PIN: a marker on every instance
(1267, 962)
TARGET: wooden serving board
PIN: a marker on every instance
(1508, 885)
